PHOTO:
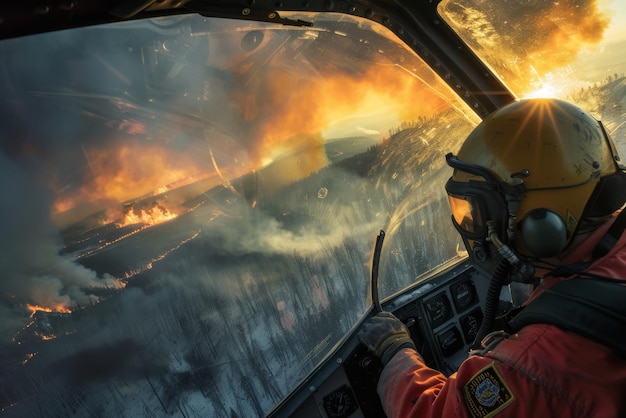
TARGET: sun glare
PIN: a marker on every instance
(545, 91)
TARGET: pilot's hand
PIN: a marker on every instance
(385, 335)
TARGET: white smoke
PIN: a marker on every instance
(33, 271)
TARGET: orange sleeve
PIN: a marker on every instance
(540, 372)
(481, 388)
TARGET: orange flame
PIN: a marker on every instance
(130, 170)
(151, 216)
(28, 357)
(58, 308)
(134, 169)
(292, 110)
(119, 284)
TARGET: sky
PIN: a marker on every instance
(617, 30)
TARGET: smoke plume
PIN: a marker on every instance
(33, 272)
(525, 40)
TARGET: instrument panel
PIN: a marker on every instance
(445, 319)
(443, 315)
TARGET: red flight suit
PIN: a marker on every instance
(541, 371)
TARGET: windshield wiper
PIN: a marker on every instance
(375, 262)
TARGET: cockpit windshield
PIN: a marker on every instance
(190, 203)
(194, 203)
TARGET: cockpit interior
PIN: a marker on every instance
(203, 201)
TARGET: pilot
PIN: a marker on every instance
(536, 194)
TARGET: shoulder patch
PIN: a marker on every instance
(486, 394)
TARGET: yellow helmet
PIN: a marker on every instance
(536, 168)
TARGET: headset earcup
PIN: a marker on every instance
(543, 233)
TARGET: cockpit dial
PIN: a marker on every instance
(463, 295)
(438, 309)
(340, 403)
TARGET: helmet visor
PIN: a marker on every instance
(467, 214)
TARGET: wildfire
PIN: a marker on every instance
(282, 123)
(151, 216)
(58, 309)
(150, 264)
(136, 168)
(285, 111)
(28, 357)
(130, 169)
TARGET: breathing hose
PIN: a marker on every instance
(501, 276)
(499, 279)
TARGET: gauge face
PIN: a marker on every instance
(470, 324)
(463, 295)
(340, 403)
(450, 341)
(438, 309)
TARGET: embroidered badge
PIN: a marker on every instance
(486, 394)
